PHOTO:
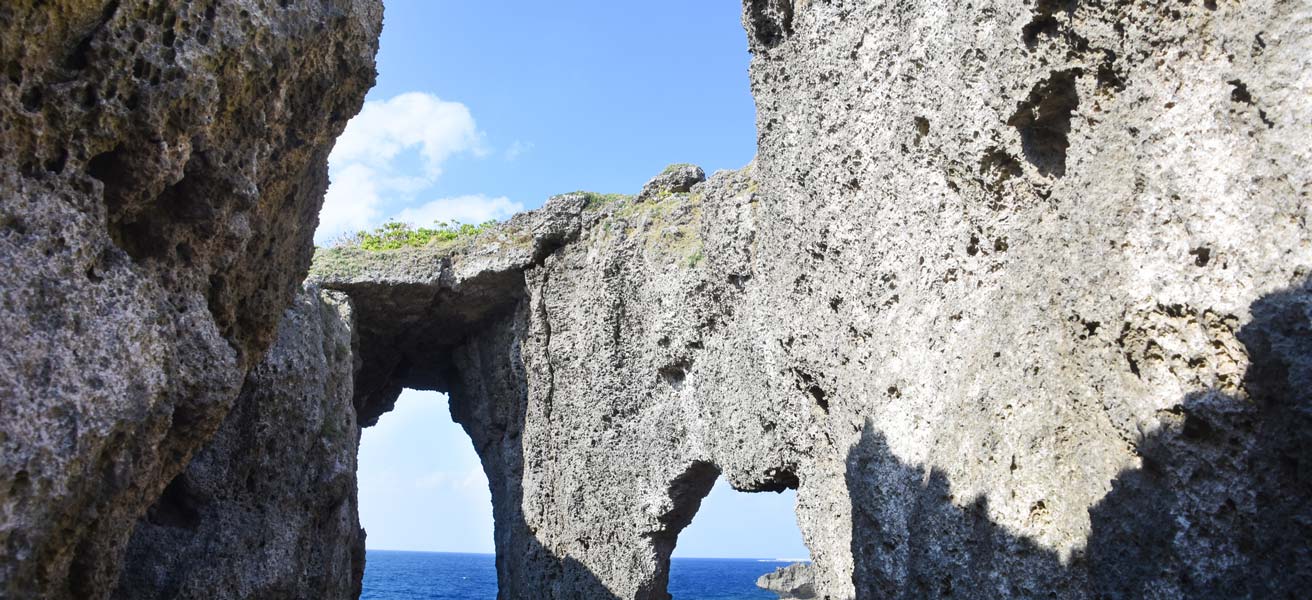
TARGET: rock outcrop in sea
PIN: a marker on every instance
(791, 582)
(1015, 295)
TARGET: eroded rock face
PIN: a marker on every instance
(268, 508)
(678, 178)
(571, 417)
(416, 305)
(792, 581)
(164, 164)
(1027, 292)
(1014, 296)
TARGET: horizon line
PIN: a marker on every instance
(755, 558)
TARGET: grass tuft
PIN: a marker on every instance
(394, 234)
(595, 200)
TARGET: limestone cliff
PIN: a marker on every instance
(268, 508)
(1015, 296)
(1044, 266)
(163, 166)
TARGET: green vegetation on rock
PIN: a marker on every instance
(394, 234)
(676, 167)
(596, 200)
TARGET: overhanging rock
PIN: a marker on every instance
(163, 165)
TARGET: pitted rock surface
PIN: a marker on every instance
(268, 508)
(990, 298)
(792, 581)
(164, 164)
(416, 304)
(1030, 301)
(1015, 296)
(677, 178)
(568, 418)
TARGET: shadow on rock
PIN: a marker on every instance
(1219, 508)
(489, 399)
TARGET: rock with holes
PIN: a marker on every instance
(164, 163)
(1030, 260)
(677, 178)
(569, 368)
(416, 304)
(268, 508)
(1014, 296)
(792, 581)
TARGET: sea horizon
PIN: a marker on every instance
(440, 574)
(493, 554)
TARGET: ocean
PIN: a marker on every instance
(392, 575)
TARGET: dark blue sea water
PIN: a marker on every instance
(391, 575)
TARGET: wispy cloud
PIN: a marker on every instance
(464, 209)
(383, 129)
(471, 481)
(517, 149)
(352, 200)
(394, 149)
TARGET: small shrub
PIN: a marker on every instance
(677, 166)
(595, 200)
(394, 234)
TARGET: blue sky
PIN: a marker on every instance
(486, 108)
(422, 488)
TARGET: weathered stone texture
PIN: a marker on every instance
(268, 508)
(1014, 296)
(1027, 252)
(416, 305)
(569, 417)
(678, 178)
(163, 166)
(792, 581)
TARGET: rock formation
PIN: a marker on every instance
(268, 508)
(1044, 269)
(567, 340)
(1015, 296)
(986, 300)
(163, 166)
(792, 581)
(674, 179)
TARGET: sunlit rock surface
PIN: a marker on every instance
(1014, 295)
(792, 581)
(1042, 267)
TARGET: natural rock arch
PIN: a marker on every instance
(983, 344)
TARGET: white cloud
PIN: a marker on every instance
(465, 209)
(472, 481)
(437, 128)
(367, 166)
(518, 148)
(352, 200)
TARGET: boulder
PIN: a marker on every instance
(792, 581)
(675, 179)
